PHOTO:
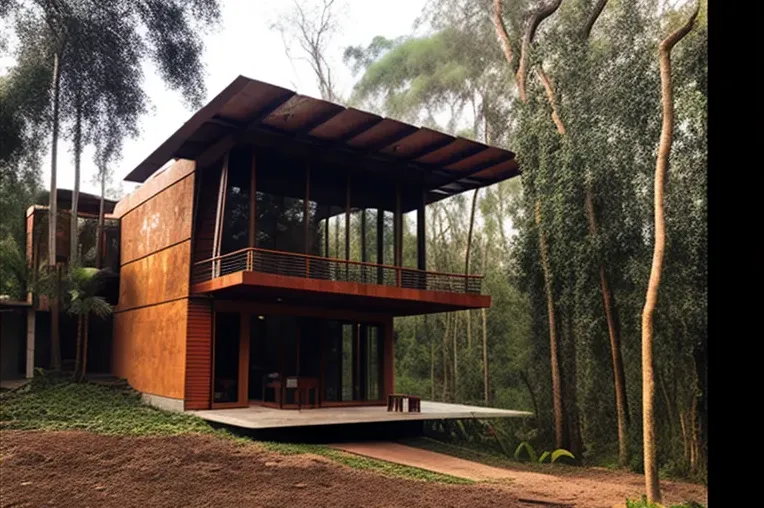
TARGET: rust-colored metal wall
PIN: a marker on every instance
(150, 323)
(157, 278)
(149, 348)
(198, 354)
(162, 221)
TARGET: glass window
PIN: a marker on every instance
(226, 381)
(373, 362)
(236, 215)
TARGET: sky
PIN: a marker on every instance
(243, 44)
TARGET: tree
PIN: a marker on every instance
(312, 27)
(167, 32)
(652, 483)
(23, 115)
(531, 26)
(108, 149)
(83, 285)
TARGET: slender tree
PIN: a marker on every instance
(652, 483)
(83, 300)
(311, 27)
(531, 26)
(167, 32)
(467, 260)
(484, 313)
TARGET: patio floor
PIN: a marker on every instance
(258, 417)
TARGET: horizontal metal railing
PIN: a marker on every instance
(319, 268)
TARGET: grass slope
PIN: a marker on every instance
(51, 404)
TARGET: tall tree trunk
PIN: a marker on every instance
(78, 353)
(652, 484)
(100, 240)
(485, 333)
(85, 327)
(531, 26)
(530, 31)
(55, 344)
(529, 386)
(74, 229)
(569, 373)
(467, 262)
(608, 298)
(614, 333)
(559, 417)
(694, 446)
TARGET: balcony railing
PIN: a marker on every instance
(314, 267)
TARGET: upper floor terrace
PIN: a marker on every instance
(298, 199)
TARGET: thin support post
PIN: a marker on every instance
(347, 226)
(30, 342)
(421, 241)
(380, 244)
(252, 201)
(363, 244)
(217, 240)
(397, 231)
(306, 219)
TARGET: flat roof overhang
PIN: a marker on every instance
(397, 301)
(252, 112)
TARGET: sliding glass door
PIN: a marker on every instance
(294, 361)
(353, 362)
(230, 349)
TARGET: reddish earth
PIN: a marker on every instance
(79, 469)
(553, 484)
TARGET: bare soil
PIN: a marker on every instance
(80, 469)
(543, 484)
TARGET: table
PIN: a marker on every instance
(302, 386)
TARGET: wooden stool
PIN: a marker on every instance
(395, 403)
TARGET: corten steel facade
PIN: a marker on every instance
(265, 264)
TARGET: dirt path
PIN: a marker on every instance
(579, 487)
(424, 459)
(79, 469)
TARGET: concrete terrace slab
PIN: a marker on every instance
(258, 417)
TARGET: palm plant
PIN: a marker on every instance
(83, 301)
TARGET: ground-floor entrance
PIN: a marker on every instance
(291, 358)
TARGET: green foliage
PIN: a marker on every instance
(560, 452)
(14, 273)
(555, 455)
(83, 286)
(51, 403)
(643, 503)
(608, 93)
(529, 451)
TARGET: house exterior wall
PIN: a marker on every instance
(150, 320)
(198, 380)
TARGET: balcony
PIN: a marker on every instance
(253, 272)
